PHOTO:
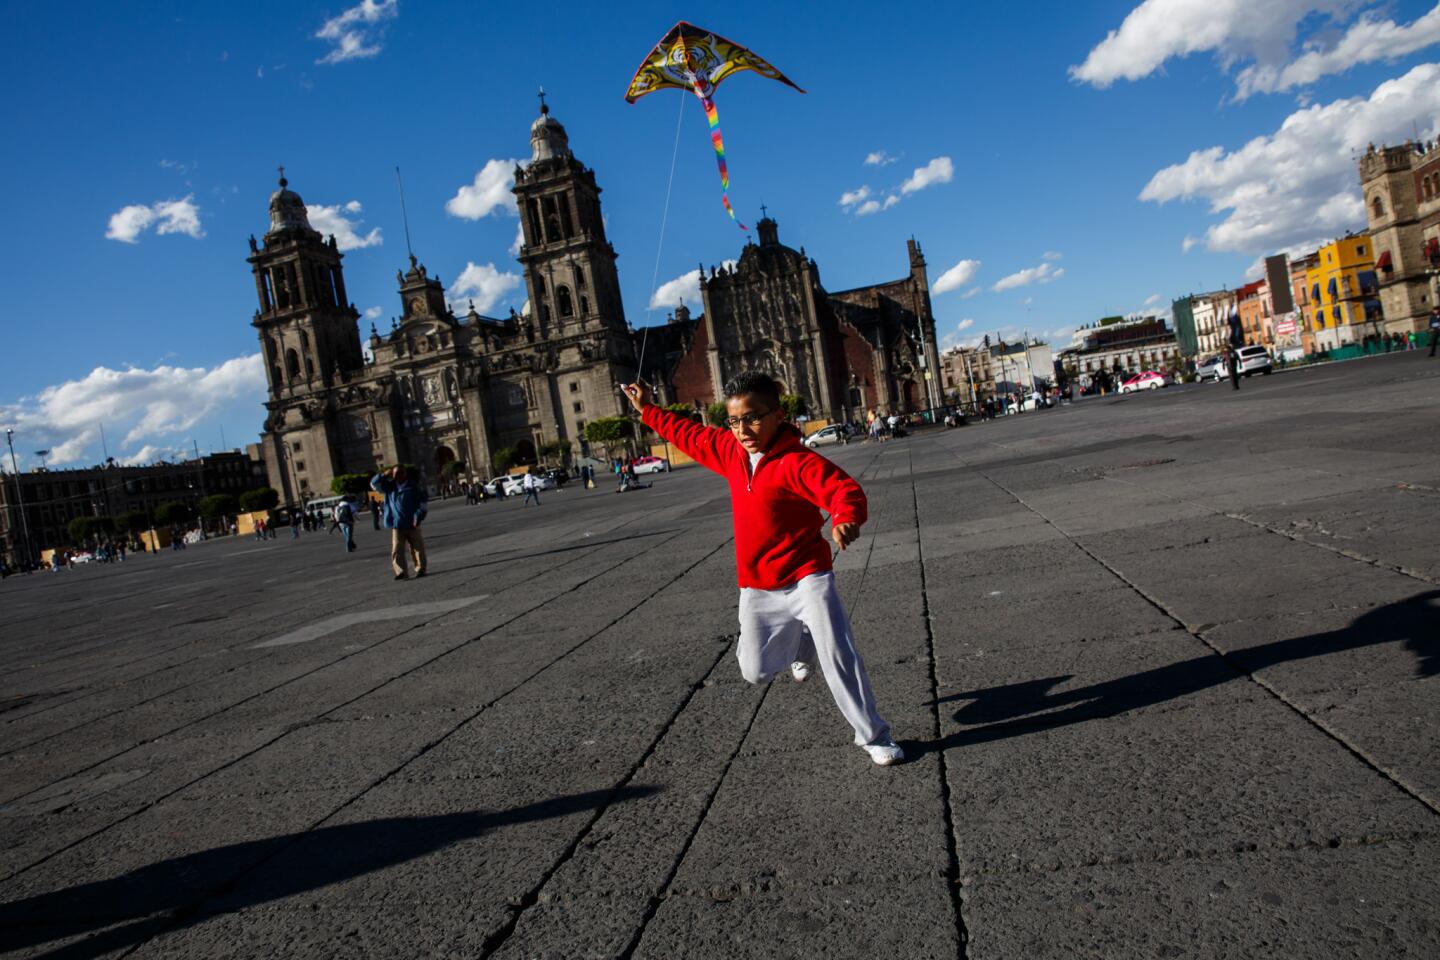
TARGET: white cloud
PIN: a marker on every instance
(519, 239)
(482, 283)
(1052, 255)
(333, 220)
(879, 158)
(1299, 186)
(1234, 30)
(355, 33)
(167, 216)
(1367, 40)
(373, 313)
(939, 170)
(153, 453)
(1153, 299)
(1189, 242)
(1028, 300)
(952, 338)
(956, 277)
(891, 200)
(969, 293)
(685, 287)
(488, 194)
(851, 197)
(141, 406)
(867, 208)
(1046, 272)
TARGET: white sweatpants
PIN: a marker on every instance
(806, 621)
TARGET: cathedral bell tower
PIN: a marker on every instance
(569, 265)
(305, 322)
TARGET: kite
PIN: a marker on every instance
(692, 58)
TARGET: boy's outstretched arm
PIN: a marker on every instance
(701, 444)
(836, 492)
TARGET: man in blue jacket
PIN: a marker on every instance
(405, 506)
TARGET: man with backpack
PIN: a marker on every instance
(344, 518)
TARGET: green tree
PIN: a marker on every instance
(558, 450)
(793, 405)
(133, 521)
(609, 431)
(683, 409)
(257, 501)
(716, 414)
(449, 472)
(503, 459)
(350, 484)
(81, 529)
(173, 512)
(219, 506)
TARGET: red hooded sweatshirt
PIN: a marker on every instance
(777, 509)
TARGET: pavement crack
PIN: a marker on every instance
(952, 870)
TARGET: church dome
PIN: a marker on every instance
(548, 140)
(287, 210)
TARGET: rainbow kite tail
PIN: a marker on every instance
(719, 143)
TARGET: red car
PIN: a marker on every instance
(1143, 381)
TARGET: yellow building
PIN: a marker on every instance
(1343, 293)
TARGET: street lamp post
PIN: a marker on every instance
(19, 495)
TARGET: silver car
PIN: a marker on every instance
(1254, 360)
(1211, 368)
(835, 433)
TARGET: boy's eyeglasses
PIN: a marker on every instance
(748, 419)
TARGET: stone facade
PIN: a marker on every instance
(845, 354)
(1402, 217)
(440, 388)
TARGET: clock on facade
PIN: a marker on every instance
(418, 305)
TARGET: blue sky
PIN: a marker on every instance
(1078, 161)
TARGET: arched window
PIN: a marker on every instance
(309, 369)
(584, 307)
(562, 300)
(1378, 206)
(540, 286)
(1429, 189)
(579, 278)
(292, 364)
(270, 349)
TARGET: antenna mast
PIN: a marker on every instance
(404, 217)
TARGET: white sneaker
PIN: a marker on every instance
(800, 670)
(885, 752)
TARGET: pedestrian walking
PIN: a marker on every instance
(345, 520)
(790, 611)
(296, 518)
(406, 504)
(532, 489)
(1236, 340)
(1434, 329)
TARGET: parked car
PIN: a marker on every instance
(493, 485)
(1255, 360)
(1149, 380)
(650, 465)
(835, 433)
(559, 476)
(515, 484)
(1211, 368)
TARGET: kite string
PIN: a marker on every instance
(660, 244)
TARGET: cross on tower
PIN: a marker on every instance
(543, 107)
(763, 211)
(282, 174)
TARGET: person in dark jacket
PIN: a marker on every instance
(406, 504)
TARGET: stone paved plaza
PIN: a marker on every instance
(1165, 666)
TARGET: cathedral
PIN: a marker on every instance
(439, 388)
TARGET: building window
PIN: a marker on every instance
(292, 364)
(579, 278)
(574, 386)
(578, 406)
(562, 300)
(299, 466)
(1378, 206)
(1360, 250)
(295, 446)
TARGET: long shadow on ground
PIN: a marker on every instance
(170, 894)
(1011, 710)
